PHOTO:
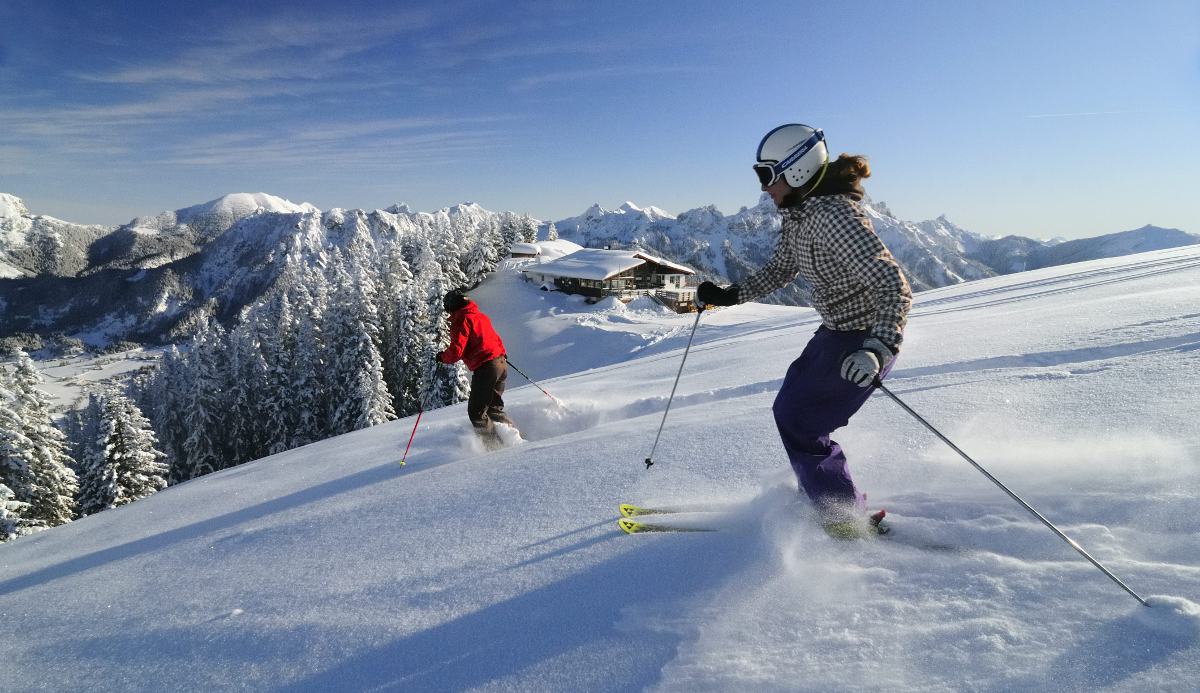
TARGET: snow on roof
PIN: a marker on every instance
(589, 263)
(596, 264)
(557, 248)
(525, 249)
(659, 261)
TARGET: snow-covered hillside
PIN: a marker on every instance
(331, 567)
(37, 244)
(156, 279)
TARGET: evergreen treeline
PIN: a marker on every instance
(347, 338)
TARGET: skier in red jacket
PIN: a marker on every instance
(475, 342)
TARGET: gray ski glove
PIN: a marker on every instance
(861, 367)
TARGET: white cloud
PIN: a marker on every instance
(611, 72)
(271, 49)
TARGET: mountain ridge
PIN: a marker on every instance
(150, 280)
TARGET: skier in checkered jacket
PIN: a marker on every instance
(861, 295)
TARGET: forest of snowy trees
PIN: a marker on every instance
(346, 338)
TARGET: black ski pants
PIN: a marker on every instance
(486, 403)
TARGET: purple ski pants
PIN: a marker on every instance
(813, 402)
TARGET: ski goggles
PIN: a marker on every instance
(770, 171)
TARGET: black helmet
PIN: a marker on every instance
(454, 300)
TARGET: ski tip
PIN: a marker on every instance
(630, 510)
(629, 526)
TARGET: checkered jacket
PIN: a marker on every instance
(856, 283)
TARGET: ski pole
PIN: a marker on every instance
(420, 411)
(404, 459)
(1075, 545)
(699, 312)
(556, 401)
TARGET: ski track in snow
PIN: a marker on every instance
(332, 568)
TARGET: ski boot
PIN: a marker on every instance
(857, 528)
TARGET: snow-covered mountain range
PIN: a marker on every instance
(153, 279)
(934, 253)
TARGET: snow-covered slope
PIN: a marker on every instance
(331, 567)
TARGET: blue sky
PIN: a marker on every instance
(1034, 118)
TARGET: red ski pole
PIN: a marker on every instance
(410, 438)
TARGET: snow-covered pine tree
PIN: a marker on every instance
(492, 232)
(443, 235)
(248, 385)
(204, 406)
(414, 336)
(527, 229)
(479, 260)
(162, 398)
(510, 230)
(360, 397)
(552, 232)
(395, 283)
(373, 391)
(16, 461)
(441, 385)
(12, 521)
(421, 330)
(140, 468)
(72, 428)
(306, 376)
(97, 478)
(52, 495)
(276, 329)
(125, 464)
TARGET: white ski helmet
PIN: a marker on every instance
(796, 152)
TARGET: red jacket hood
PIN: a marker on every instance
(472, 338)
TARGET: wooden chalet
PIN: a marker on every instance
(625, 274)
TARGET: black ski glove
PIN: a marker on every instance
(712, 295)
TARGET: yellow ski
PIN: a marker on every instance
(631, 526)
(631, 510)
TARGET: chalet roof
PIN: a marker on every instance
(598, 265)
(525, 249)
(681, 269)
